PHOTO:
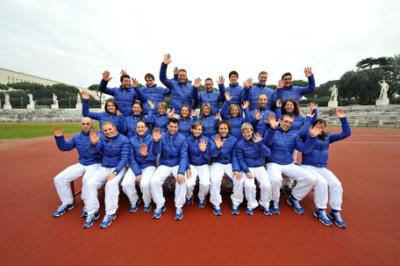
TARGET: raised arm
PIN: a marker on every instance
(60, 141)
(103, 83)
(85, 107)
(311, 81)
(163, 71)
(346, 130)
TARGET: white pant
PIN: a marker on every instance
(129, 185)
(160, 175)
(111, 190)
(305, 180)
(261, 175)
(203, 172)
(217, 172)
(69, 174)
(326, 181)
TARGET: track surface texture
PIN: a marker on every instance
(367, 163)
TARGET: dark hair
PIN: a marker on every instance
(233, 72)
(124, 76)
(286, 74)
(296, 109)
(182, 70)
(320, 121)
(208, 79)
(288, 115)
(224, 122)
(262, 72)
(139, 103)
(110, 101)
(141, 121)
(149, 75)
(173, 120)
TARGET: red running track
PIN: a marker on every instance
(367, 163)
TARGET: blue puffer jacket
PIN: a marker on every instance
(318, 156)
(123, 97)
(211, 97)
(181, 94)
(155, 94)
(137, 161)
(209, 124)
(226, 154)
(238, 93)
(257, 90)
(260, 126)
(87, 153)
(185, 124)
(131, 122)
(197, 157)
(115, 151)
(282, 145)
(236, 122)
(157, 120)
(250, 154)
(294, 92)
(298, 120)
(117, 120)
(173, 149)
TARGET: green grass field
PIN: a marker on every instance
(32, 130)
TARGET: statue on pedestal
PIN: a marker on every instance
(7, 104)
(55, 102)
(78, 102)
(32, 103)
(383, 99)
(334, 95)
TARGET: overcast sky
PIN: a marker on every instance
(73, 41)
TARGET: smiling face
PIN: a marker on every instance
(196, 130)
(247, 133)
(287, 80)
(262, 78)
(234, 110)
(111, 108)
(126, 83)
(141, 128)
(185, 112)
(137, 109)
(223, 130)
(209, 84)
(173, 128)
(149, 81)
(286, 122)
(86, 123)
(161, 109)
(262, 100)
(289, 107)
(182, 76)
(109, 130)
(206, 109)
(233, 79)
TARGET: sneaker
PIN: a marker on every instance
(63, 209)
(291, 201)
(337, 219)
(202, 204)
(275, 208)
(90, 220)
(84, 213)
(235, 210)
(147, 207)
(158, 212)
(321, 216)
(250, 211)
(107, 220)
(133, 208)
(267, 212)
(217, 211)
(189, 201)
(179, 214)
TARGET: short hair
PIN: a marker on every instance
(208, 79)
(149, 76)
(246, 126)
(234, 105)
(108, 122)
(124, 76)
(224, 122)
(205, 105)
(173, 120)
(296, 109)
(196, 124)
(138, 103)
(288, 115)
(319, 121)
(182, 70)
(162, 104)
(141, 121)
(286, 74)
(185, 106)
(110, 101)
(233, 72)
(259, 96)
(262, 73)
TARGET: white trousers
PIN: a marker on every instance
(203, 172)
(129, 185)
(69, 174)
(111, 190)
(305, 180)
(261, 175)
(217, 172)
(326, 182)
(160, 175)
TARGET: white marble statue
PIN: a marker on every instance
(78, 102)
(55, 102)
(334, 93)
(384, 90)
(32, 103)
(7, 104)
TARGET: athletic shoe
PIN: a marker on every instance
(84, 213)
(202, 204)
(179, 214)
(321, 216)
(90, 220)
(107, 220)
(250, 211)
(189, 201)
(217, 211)
(291, 201)
(235, 210)
(147, 207)
(158, 212)
(337, 219)
(267, 212)
(63, 209)
(133, 208)
(275, 208)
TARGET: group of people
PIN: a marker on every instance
(254, 136)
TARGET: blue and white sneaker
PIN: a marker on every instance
(179, 214)
(63, 209)
(275, 208)
(90, 220)
(189, 201)
(147, 207)
(235, 210)
(337, 219)
(321, 216)
(266, 211)
(217, 211)
(84, 213)
(291, 201)
(107, 220)
(158, 212)
(202, 204)
(250, 211)
(133, 208)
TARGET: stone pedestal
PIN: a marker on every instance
(7, 106)
(54, 106)
(383, 102)
(333, 104)
(31, 106)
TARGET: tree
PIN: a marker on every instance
(370, 62)
(392, 75)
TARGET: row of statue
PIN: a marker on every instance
(32, 103)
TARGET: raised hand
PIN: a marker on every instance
(144, 150)
(58, 132)
(340, 113)
(197, 82)
(193, 113)
(176, 70)
(272, 121)
(228, 96)
(189, 173)
(123, 72)
(220, 80)
(156, 134)
(248, 83)
(315, 131)
(218, 141)
(237, 175)
(257, 138)
(171, 113)
(308, 71)
(280, 84)
(310, 109)
(135, 83)
(94, 138)
(119, 112)
(106, 75)
(203, 145)
(180, 179)
(278, 103)
(167, 59)
(151, 104)
(218, 117)
(249, 175)
(245, 105)
(257, 115)
(85, 94)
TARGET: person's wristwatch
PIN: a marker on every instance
(115, 173)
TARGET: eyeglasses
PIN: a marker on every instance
(83, 124)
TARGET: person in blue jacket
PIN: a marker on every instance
(224, 161)
(172, 148)
(186, 118)
(88, 163)
(142, 161)
(111, 113)
(316, 162)
(292, 107)
(125, 95)
(136, 115)
(199, 155)
(159, 118)
(239, 94)
(211, 96)
(251, 152)
(208, 120)
(232, 113)
(182, 91)
(259, 117)
(115, 150)
(258, 89)
(286, 91)
(282, 141)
